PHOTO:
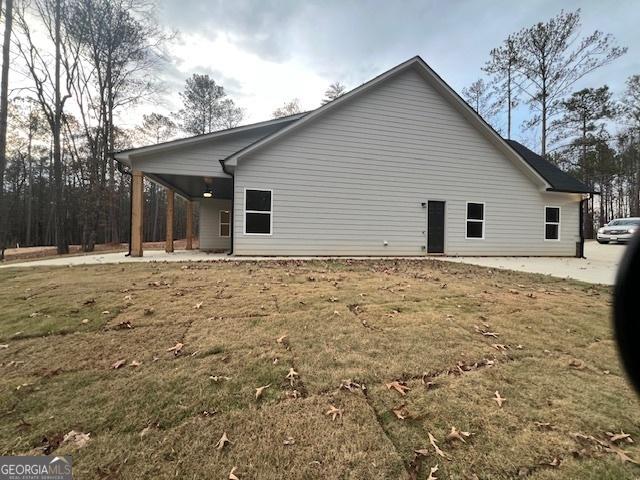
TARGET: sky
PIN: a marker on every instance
(267, 52)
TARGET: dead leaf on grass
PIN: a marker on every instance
(432, 472)
(218, 378)
(577, 364)
(176, 349)
(399, 387)
(76, 439)
(289, 441)
(498, 399)
(223, 441)
(134, 363)
(148, 311)
(291, 376)
(260, 390)
(433, 443)
(456, 434)
(198, 306)
(400, 412)
(118, 364)
(618, 437)
(232, 475)
(334, 412)
(622, 455)
(555, 463)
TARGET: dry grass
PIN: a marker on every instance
(370, 322)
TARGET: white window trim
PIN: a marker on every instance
(558, 223)
(483, 221)
(220, 223)
(270, 212)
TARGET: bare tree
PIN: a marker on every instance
(289, 108)
(552, 58)
(502, 65)
(47, 86)
(122, 46)
(479, 95)
(335, 90)
(4, 104)
(230, 115)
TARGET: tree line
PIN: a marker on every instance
(590, 132)
(81, 65)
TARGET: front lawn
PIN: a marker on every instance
(193, 342)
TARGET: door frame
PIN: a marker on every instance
(426, 227)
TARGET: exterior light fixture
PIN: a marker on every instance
(207, 194)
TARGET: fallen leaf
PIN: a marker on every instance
(553, 463)
(577, 364)
(292, 375)
(176, 349)
(232, 475)
(106, 312)
(85, 321)
(4, 345)
(432, 472)
(198, 306)
(433, 443)
(456, 434)
(260, 390)
(399, 387)
(400, 412)
(499, 400)
(289, 441)
(76, 439)
(118, 364)
(223, 441)
(616, 437)
(334, 412)
(148, 311)
(622, 455)
(350, 385)
(217, 378)
(134, 363)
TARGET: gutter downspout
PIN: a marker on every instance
(580, 253)
(122, 170)
(233, 198)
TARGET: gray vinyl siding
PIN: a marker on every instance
(356, 177)
(209, 214)
(198, 159)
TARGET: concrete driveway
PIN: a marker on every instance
(600, 266)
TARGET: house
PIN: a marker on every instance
(399, 166)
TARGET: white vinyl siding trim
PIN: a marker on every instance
(558, 223)
(357, 176)
(223, 223)
(262, 212)
(475, 220)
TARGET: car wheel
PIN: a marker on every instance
(603, 241)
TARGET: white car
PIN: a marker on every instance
(618, 230)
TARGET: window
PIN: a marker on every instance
(257, 212)
(475, 220)
(225, 223)
(552, 223)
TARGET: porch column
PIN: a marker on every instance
(168, 245)
(189, 225)
(137, 212)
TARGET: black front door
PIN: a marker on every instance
(435, 227)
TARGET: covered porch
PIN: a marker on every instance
(208, 197)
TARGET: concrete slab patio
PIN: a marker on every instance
(600, 266)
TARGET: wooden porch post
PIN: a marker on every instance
(137, 212)
(168, 246)
(189, 225)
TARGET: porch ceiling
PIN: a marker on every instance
(192, 187)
